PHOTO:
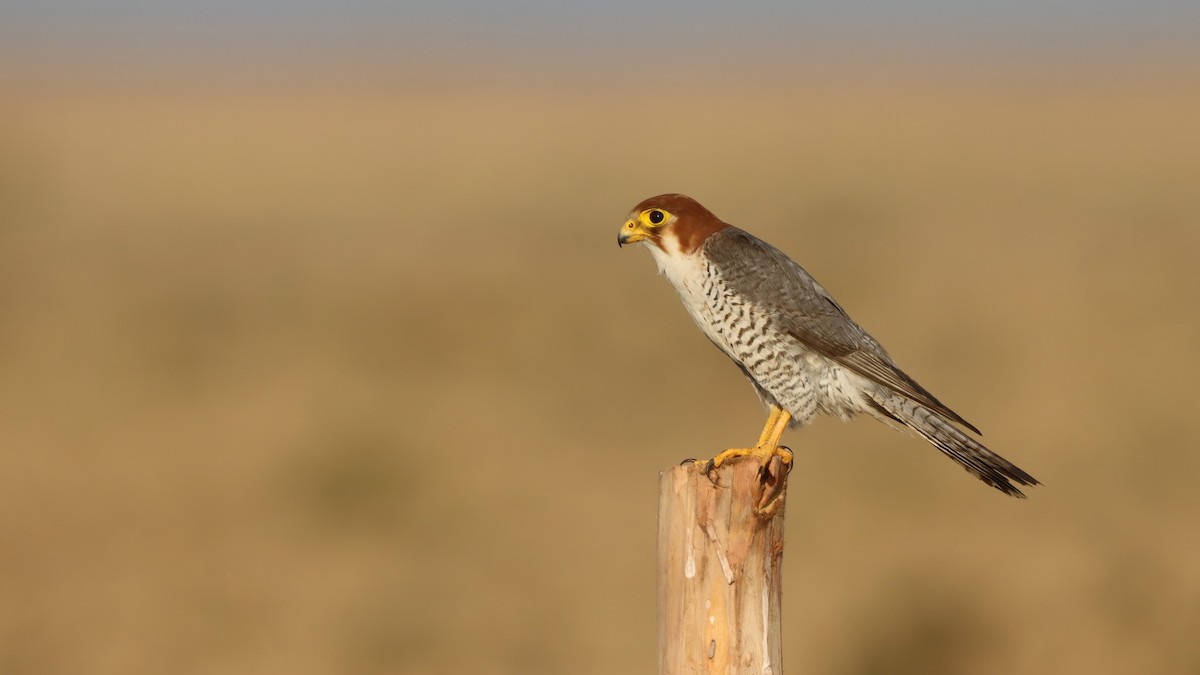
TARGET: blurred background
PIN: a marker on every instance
(317, 355)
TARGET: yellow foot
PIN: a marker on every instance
(765, 450)
(764, 455)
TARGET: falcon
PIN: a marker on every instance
(802, 352)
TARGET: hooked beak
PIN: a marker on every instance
(631, 232)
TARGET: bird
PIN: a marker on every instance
(800, 349)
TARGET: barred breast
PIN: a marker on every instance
(782, 369)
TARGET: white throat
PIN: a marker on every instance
(678, 267)
(689, 274)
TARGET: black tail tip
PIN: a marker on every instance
(1001, 481)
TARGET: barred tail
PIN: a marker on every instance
(986, 465)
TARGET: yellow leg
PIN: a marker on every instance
(767, 446)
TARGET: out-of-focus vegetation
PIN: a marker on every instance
(353, 379)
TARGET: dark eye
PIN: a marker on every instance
(656, 217)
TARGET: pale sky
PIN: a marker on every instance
(589, 30)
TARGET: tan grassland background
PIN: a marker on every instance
(348, 376)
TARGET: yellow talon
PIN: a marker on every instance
(767, 446)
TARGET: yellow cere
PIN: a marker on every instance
(642, 227)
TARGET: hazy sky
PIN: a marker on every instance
(543, 29)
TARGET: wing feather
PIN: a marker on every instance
(807, 312)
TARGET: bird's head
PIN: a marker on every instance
(671, 218)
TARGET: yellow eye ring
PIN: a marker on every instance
(654, 217)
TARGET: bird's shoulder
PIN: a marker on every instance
(767, 277)
(804, 310)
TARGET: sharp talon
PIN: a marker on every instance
(706, 467)
(764, 474)
(787, 456)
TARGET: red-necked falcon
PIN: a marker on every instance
(800, 349)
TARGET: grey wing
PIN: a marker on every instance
(806, 311)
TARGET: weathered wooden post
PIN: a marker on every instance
(720, 552)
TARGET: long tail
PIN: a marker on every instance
(986, 465)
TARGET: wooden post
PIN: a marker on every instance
(720, 549)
